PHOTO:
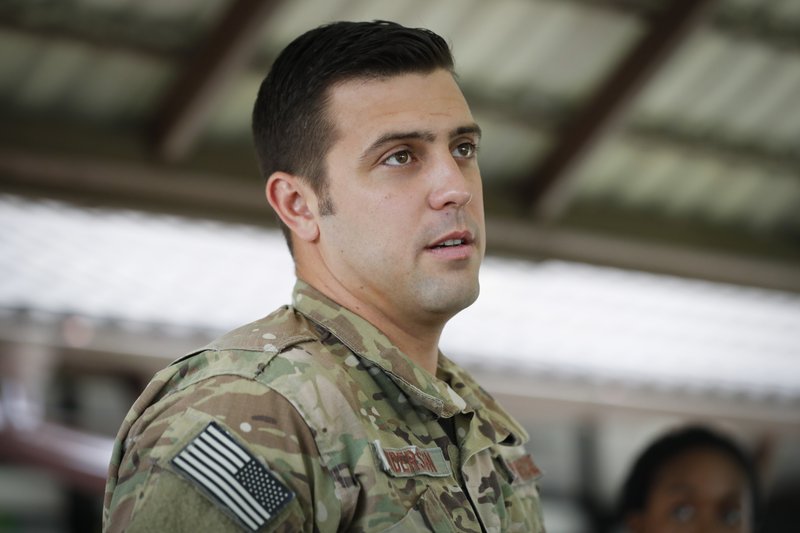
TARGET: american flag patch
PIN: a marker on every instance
(232, 477)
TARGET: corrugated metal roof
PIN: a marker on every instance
(705, 151)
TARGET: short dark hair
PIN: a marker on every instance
(639, 483)
(291, 130)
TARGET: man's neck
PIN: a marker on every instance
(416, 339)
(421, 345)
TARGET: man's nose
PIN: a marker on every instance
(451, 189)
(450, 197)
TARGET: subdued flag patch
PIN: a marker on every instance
(232, 477)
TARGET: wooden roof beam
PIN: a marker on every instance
(188, 103)
(136, 185)
(548, 188)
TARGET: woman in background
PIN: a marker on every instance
(691, 480)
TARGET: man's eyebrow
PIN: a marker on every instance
(472, 129)
(427, 136)
(394, 136)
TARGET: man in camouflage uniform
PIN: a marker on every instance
(339, 413)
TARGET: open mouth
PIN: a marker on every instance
(454, 241)
(450, 243)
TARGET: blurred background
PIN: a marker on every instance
(641, 165)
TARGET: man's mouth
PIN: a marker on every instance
(455, 240)
(450, 242)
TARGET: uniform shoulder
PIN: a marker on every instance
(244, 351)
(274, 333)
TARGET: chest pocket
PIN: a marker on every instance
(521, 495)
(427, 515)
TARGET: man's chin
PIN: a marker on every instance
(448, 300)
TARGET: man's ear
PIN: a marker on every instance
(295, 203)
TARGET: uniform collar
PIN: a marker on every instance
(453, 391)
(491, 421)
(367, 342)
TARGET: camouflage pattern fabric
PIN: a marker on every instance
(341, 418)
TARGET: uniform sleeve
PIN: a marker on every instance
(153, 493)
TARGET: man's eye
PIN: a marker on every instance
(465, 150)
(397, 159)
(682, 513)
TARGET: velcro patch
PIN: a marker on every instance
(412, 461)
(524, 468)
(232, 477)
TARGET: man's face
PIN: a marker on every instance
(407, 233)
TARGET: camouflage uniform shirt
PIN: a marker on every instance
(311, 420)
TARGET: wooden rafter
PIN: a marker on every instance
(136, 184)
(188, 103)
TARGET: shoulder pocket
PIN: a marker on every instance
(170, 503)
(223, 469)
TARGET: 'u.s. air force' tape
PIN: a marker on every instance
(230, 475)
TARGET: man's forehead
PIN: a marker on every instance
(395, 90)
(420, 104)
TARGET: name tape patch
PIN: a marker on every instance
(232, 477)
(412, 461)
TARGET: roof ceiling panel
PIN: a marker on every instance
(693, 71)
(604, 172)
(560, 48)
(652, 178)
(777, 203)
(506, 149)
(406, 12)
(684, 184)
(293, 18)
(776, 93)
(106, 4)
(744, 91)
(786, 10)
(17, 53)
(741, 72)
(590, 43)
(480, 40)
(231, 118)
(688, 197)
(444, 17)
(119, 88)
(526, 36)
(724, 103)
(548, 23)
(747, 75)
(201, 12)
(734, 202)
(52, 75)
(784, 129)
